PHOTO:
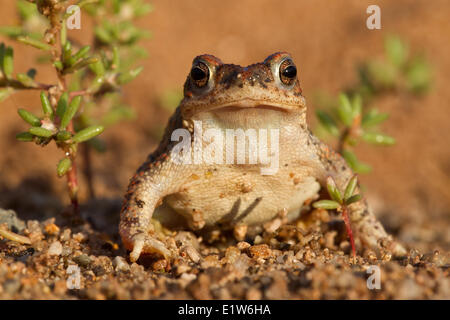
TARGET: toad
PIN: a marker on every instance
(236, 154)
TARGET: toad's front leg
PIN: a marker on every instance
(367, 227)
(155, 179)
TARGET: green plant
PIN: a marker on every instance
(349, 123)
(348, 119)
(340, 203)
(398, 69)
(86, 96)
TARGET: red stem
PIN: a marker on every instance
(72, 180)
(72, 184)
(349, 228)
(78, 93)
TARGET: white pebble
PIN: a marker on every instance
(120, 264)
(55, 249)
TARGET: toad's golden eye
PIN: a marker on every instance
(200, 74)
(288, 72)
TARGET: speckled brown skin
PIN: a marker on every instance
(212, 196)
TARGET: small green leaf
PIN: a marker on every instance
(80, 64)
(11, 31)
(35, 43)
(24, 136)
(46, 106)
(98, 68)
(396, 50)
(58, 65)
(26, 80)
(96, 84)
(382, 73)
(126, 77)
(350, 187)
(353, 199)
(378, 138)
(103, 35)
(326, 204)
(373, 117)
(63, 135)
(62, 104)
(327, 122)
(83, 3)
(345, 110)
(418, 75)
(67, 51)
(41, 132)
(63, 166)
(81, 53)
(8, 64)
(26, 10)
(69, 62)
(87, 133)
(356, 106)
(333, 190)
(354, 163)
(29, 117)
(5, 93)
(63, 33)
(70, 112)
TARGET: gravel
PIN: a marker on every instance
(296, 261)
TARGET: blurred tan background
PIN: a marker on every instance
(410, 182)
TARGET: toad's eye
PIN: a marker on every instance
(200, 74)
(288, 72)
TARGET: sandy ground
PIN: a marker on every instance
(408, 188)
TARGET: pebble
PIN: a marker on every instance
(65, 236)
(192, 253)
(51, 229)
(273, 225)
(82, 260)
(258, 239)
(232, 254)
(260, 251)
(79, 237)
(243, 245)
(66, 251)
(120, 264)
(55, 249)
(10, 218)
(240, 231)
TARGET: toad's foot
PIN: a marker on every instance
(143, 243)
(372, 234)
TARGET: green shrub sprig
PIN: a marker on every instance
(348, 120)
(85, 98)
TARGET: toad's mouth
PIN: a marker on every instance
(253, 104)
(243, 108)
